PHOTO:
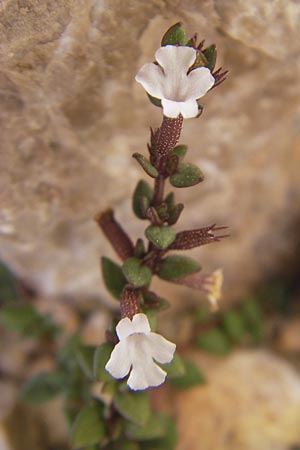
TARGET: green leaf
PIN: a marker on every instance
(152, 318)
(175, 368)
(190, 378)
(252, 315)
(133, 406)
(113, 277)
(136, 273)
(153, 429)
(8, 286)
(180, 151)
(66, 356)
(42, 387)
(200, 61)
(85, 358)
(139, 250)
(168, 441)
(175, 35)
(162, 236)
(101, 357)
(25, 319)
(177, 266)
(170, 200)
(186, 175)
(214, 341)
(154, 302)
(174, 213)
(202, 314)
(146, 165)
(210, 54)
(155, 101)
(234, 325)
(142, 196)
(88, 428)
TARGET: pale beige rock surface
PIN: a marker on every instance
(71, 115)
(251, 402)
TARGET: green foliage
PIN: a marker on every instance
(113, 277)
(161, 237)
(155, 101)
(166, 442)
(210, 54)
(252, 315)
(146, 165)
(154, 302)
(101, 357)
(88, 428)
(26, 320)
(152, 318)
(179, 151)
(133, 406)
(174, 213)
(175, 35)
(191, 376)
(214, 341)
(152, 429)
(8, 286)
(85, 358)
(234, 325)
(175, 368)
(42, 387)
(186, 175)
(136, 273)
(177, 266)
(141, 200)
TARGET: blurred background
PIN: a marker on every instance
(71, 116)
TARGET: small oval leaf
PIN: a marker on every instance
(177, 266)
(113, 277)
(214, 341)
(162, 236)
(101, 356)
(186, 175)
(88, 428)
(136, 273)
(134, 406)
(146, 165)
(142, 192)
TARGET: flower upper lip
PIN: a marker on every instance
(172, 81)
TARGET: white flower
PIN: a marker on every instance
(171, 82)
(135, 352)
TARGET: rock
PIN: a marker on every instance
(71, 115)
(251, 402)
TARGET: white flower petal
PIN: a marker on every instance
(199, 82)
(124, 328)
(170, 108)
(140, 324)
(160, 348)
(175, 59)
(145, 374)
(151, 78)
(189, 109)
(119, 364)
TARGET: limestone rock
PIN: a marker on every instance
(251, 402)
(71, 115)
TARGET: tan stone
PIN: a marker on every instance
(251, 402)
(71, 115)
